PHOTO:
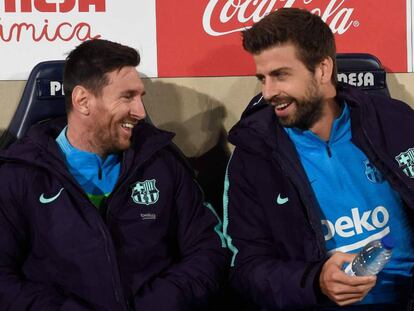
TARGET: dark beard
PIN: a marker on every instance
(107, 144)
(307, 114)
(308, 110)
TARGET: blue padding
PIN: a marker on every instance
(42, 98)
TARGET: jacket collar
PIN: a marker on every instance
(38, 147)
(259, 131)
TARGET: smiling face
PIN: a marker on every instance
(115, 111)
(289, 86)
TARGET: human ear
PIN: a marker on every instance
(80, 99)
(325, 70)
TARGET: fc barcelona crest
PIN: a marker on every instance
(406, 162)
(145, 192)
(372, 173)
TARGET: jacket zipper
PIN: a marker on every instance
(108, 257)
(107, 245)
(328, 150)
(107, 242)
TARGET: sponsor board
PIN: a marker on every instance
(202, 38)
(191, 38)
(32, 31)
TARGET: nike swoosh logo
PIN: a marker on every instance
(44, 200)
(281, 200)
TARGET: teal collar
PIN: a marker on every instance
(340, 131)
(96, 176)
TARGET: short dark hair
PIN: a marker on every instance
(313, 38)
(89, 63)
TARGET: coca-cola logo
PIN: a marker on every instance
(47, 30)
(222, 17)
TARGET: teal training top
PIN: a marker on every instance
(357, 204)
(97, 177)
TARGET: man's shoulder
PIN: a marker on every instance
(23, 152)
(377, 102)
(15, 177)
(174, 156)
(251, 164)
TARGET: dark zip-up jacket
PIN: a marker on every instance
(155, 250)
(271, 219)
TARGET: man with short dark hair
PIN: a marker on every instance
(318, 171)
(98, 212)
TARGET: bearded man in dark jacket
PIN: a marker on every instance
(98, 212)
(319, 170)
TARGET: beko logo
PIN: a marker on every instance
(346, 226)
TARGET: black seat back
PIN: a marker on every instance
(364, 71)
(42, 99)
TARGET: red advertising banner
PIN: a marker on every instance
(202, 38)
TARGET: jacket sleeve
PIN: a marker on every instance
(192, 282)
(17, 293)
(257, 272)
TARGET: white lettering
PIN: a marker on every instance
(385, 217)
(342, 224)
(330, 229)
(360, 79)
(361, 222)
(346, 226)
(235, 12)
(56, 86)
(368, 79)
(342, 78)
(352, 79)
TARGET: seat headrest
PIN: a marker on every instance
(42, 98)
(363, 71)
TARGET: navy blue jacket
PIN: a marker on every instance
(279, 249)
(156, 250)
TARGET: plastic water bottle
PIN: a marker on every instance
(372, 258)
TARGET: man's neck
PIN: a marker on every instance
(323, 126)
(80, 139)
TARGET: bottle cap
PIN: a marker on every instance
(388, 242)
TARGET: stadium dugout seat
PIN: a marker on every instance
(43, 96)
(42, 99)
(363, 71)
